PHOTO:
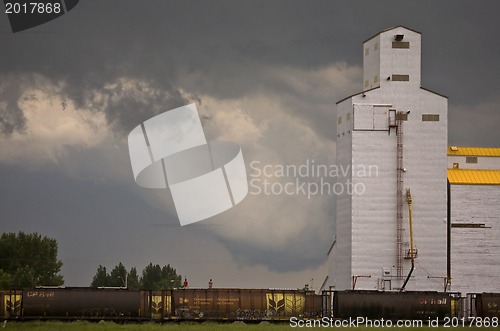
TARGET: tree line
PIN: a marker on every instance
(153, 277)
(28, 260)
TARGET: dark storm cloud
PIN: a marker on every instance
(155, 39)
(233, 44)
(127, 102)
(475, 125)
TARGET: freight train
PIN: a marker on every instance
(177, 304)
(223, 304)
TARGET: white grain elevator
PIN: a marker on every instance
(392, 139)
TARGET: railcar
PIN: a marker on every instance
(391, 305)
(488, 305)
(75, 303)
(244, 304)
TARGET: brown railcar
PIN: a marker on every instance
(84, 303)
(488, 304)
(244, 304)
(392, 305)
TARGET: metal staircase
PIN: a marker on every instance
(399, 192)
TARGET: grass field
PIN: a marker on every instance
(208, 326)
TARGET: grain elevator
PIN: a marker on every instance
(392, 142)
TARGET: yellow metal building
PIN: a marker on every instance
(474, 175)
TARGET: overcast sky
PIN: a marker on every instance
(263, 74)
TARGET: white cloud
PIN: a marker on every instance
(52, 123)
(320, 84)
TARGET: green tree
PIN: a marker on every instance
(169, 276)
(133, 279)
(156, 278)
(5, 280)
(28, 260)
(151, 277)
(101, 278)
(118, 276)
